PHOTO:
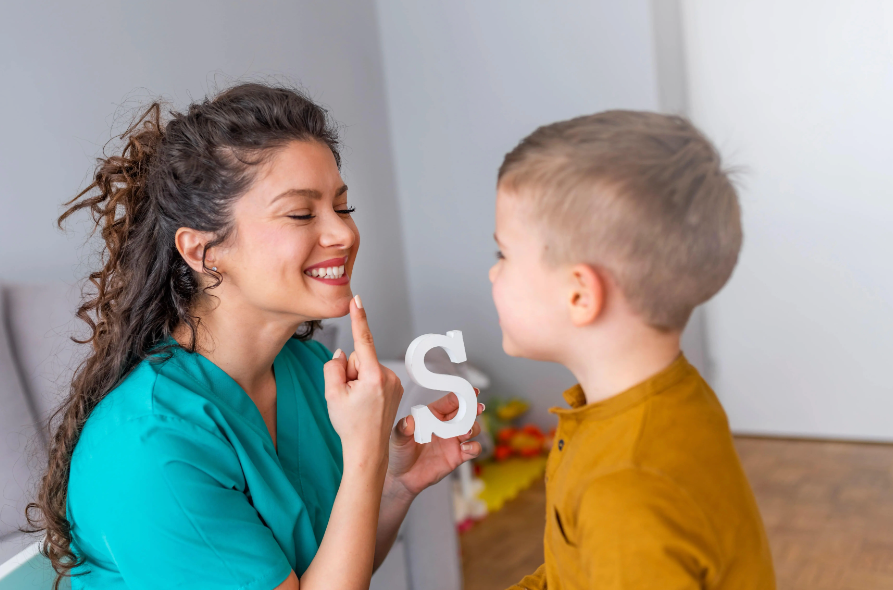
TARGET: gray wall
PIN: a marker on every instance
(800, 93)
(67, 66)
(465, 81)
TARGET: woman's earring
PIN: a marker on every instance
(214, 268)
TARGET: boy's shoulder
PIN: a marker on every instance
(659, 471)
(671, 428)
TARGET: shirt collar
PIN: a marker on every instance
(575, 396)
(579, 409)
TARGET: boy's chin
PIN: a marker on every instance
(515, 349)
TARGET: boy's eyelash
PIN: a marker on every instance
(308, 217)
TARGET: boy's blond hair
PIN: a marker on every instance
(640, 195)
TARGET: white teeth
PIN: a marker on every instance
(330, 272)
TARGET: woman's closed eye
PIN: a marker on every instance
(499, 255)
(344, 210)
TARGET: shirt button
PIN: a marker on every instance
(560, 444)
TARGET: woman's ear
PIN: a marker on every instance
(586, 296)
(191, 245)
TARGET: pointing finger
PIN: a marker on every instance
(363, 344)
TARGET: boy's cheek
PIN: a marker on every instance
(503, 311)
(514, 331)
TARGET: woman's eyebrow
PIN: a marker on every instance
(306, 192)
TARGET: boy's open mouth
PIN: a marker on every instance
(330, 271)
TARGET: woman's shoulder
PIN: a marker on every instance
(159, 395)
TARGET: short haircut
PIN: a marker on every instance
(640, 195)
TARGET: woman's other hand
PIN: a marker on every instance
(362, 402)
(412, 467)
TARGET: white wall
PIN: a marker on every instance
(466, 80)
(65, 67)
(800, 92)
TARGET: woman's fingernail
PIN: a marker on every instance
(337, 354)
(483, 407)
(358, 301)
(405, 423)
(467, 448)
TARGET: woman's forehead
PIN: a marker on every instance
(300, 169)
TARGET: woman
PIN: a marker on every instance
(204, 443)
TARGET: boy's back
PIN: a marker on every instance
(646, 486)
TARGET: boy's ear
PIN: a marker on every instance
(191, 245)
(586, 296)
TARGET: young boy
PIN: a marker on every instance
(612, 228)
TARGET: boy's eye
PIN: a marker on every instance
(499, 255)
(346, 210)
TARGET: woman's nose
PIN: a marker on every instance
(337, 233)
(492, 274)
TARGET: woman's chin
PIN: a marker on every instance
(335, 309)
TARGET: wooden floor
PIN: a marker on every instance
(827, 506)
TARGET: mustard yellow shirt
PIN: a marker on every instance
(645, 491)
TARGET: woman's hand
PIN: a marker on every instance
(362, 410)
(412, 467)
(363, 401)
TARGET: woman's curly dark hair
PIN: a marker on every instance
(183, 170)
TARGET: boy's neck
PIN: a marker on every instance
(607, 367)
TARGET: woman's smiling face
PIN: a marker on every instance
(289, 227)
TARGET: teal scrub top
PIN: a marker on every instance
(175, 482)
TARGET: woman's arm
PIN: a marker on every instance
(362, 411)
(395, 502)
(345, 556)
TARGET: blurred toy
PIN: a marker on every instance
(511, 410)
(504, 480)
(504, 412)
(527, 441)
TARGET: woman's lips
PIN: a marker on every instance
(330, 272)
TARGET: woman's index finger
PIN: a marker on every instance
(363, 343)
